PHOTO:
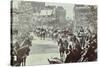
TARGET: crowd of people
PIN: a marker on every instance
(77, 46)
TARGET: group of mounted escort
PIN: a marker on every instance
(78, 47)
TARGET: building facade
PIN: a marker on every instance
(85, 17)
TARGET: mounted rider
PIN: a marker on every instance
(82, 37)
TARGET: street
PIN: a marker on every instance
(41, 50)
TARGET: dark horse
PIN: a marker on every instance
(62, 48)
(74, 54)
(23, 52)
(42, 34)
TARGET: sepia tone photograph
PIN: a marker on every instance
(44, 33)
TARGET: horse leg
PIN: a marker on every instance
(24, 61)
(18, 62)
(44, 36)
(62, 56)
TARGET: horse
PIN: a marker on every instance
(62, 48)
(74, 51)
(43, 34)
(23, 52)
